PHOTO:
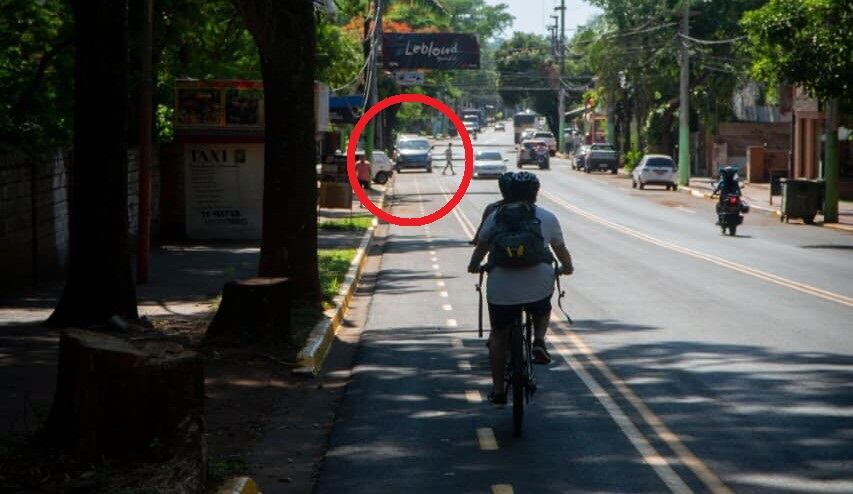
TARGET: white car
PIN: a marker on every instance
(655, 169)
(500, 127)
(382, 167)
(489, 164)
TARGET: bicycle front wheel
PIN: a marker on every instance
(517, 356)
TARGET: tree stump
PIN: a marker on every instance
(127, 400)
(253, 311)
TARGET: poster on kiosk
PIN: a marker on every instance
(220, 127)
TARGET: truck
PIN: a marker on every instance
(522, 121)
(601, 156)
(472, 113)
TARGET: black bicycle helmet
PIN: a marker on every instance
(505, 185)
(525, 186)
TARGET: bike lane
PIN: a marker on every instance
(414, 417)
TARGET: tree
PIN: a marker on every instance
(285, 35)
(807, 43)
(99, 283)
(35, 75)
(522, 62)
(803, 42)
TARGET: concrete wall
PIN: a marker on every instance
(738, 136)
(50, 198)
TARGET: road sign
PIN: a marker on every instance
(408, 78)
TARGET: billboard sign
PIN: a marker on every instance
(408, 78)
(437, 51)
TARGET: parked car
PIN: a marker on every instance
(579, 157)
(534, 151)
(489, 164)
(500, 127)
(413, 152)
(382, 167)
(549, 139)
(655, 169)
(601, 157)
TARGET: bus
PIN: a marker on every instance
(522, 121)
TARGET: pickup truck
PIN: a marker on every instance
(601, 157)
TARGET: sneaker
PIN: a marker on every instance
(497, 399)
(540, 354)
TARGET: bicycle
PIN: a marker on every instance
(520, 375)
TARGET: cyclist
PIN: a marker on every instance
(504, 184)
(511, 290)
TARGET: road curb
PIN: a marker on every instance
(839, 227)
(239, 485)
(310, 358)
(695, 192)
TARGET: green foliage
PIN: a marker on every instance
(339, 56)
(632, 159)
(334, 265)
(804, 42)
(35, 74)
(524, 61)
(356, 223)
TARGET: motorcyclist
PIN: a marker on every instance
(727, 185)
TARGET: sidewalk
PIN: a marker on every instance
(758, 197)
(185, 279)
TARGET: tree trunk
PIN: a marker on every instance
(99, 283)
(125, 400)
(253, 311)
(284, 33)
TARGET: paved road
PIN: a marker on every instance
(697, 362)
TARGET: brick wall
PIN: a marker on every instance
(52, 184)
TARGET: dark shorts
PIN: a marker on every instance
(504, 316)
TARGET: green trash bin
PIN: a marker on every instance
(801, 198)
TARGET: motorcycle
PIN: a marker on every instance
(730, 211)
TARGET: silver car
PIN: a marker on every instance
(655, 169)
(489, 164)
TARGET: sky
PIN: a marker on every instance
(531, 16)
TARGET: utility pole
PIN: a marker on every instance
(684, 99)
(561, 105)
(373, 74)
(553, 28)
(830, 163)
(143, 156)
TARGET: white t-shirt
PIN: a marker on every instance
(512, 286)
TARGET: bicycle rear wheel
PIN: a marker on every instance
(516, 345)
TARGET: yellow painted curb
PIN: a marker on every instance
(310, 358)
(239, 485)
(839, 226)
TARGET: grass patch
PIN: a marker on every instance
(221, 469)
(334, 264)
(356, 223)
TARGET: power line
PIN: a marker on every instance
(710, 41)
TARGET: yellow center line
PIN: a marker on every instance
(640, 442)
(650, 455)
(770, 277)
(686, 457)
(486, 438)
